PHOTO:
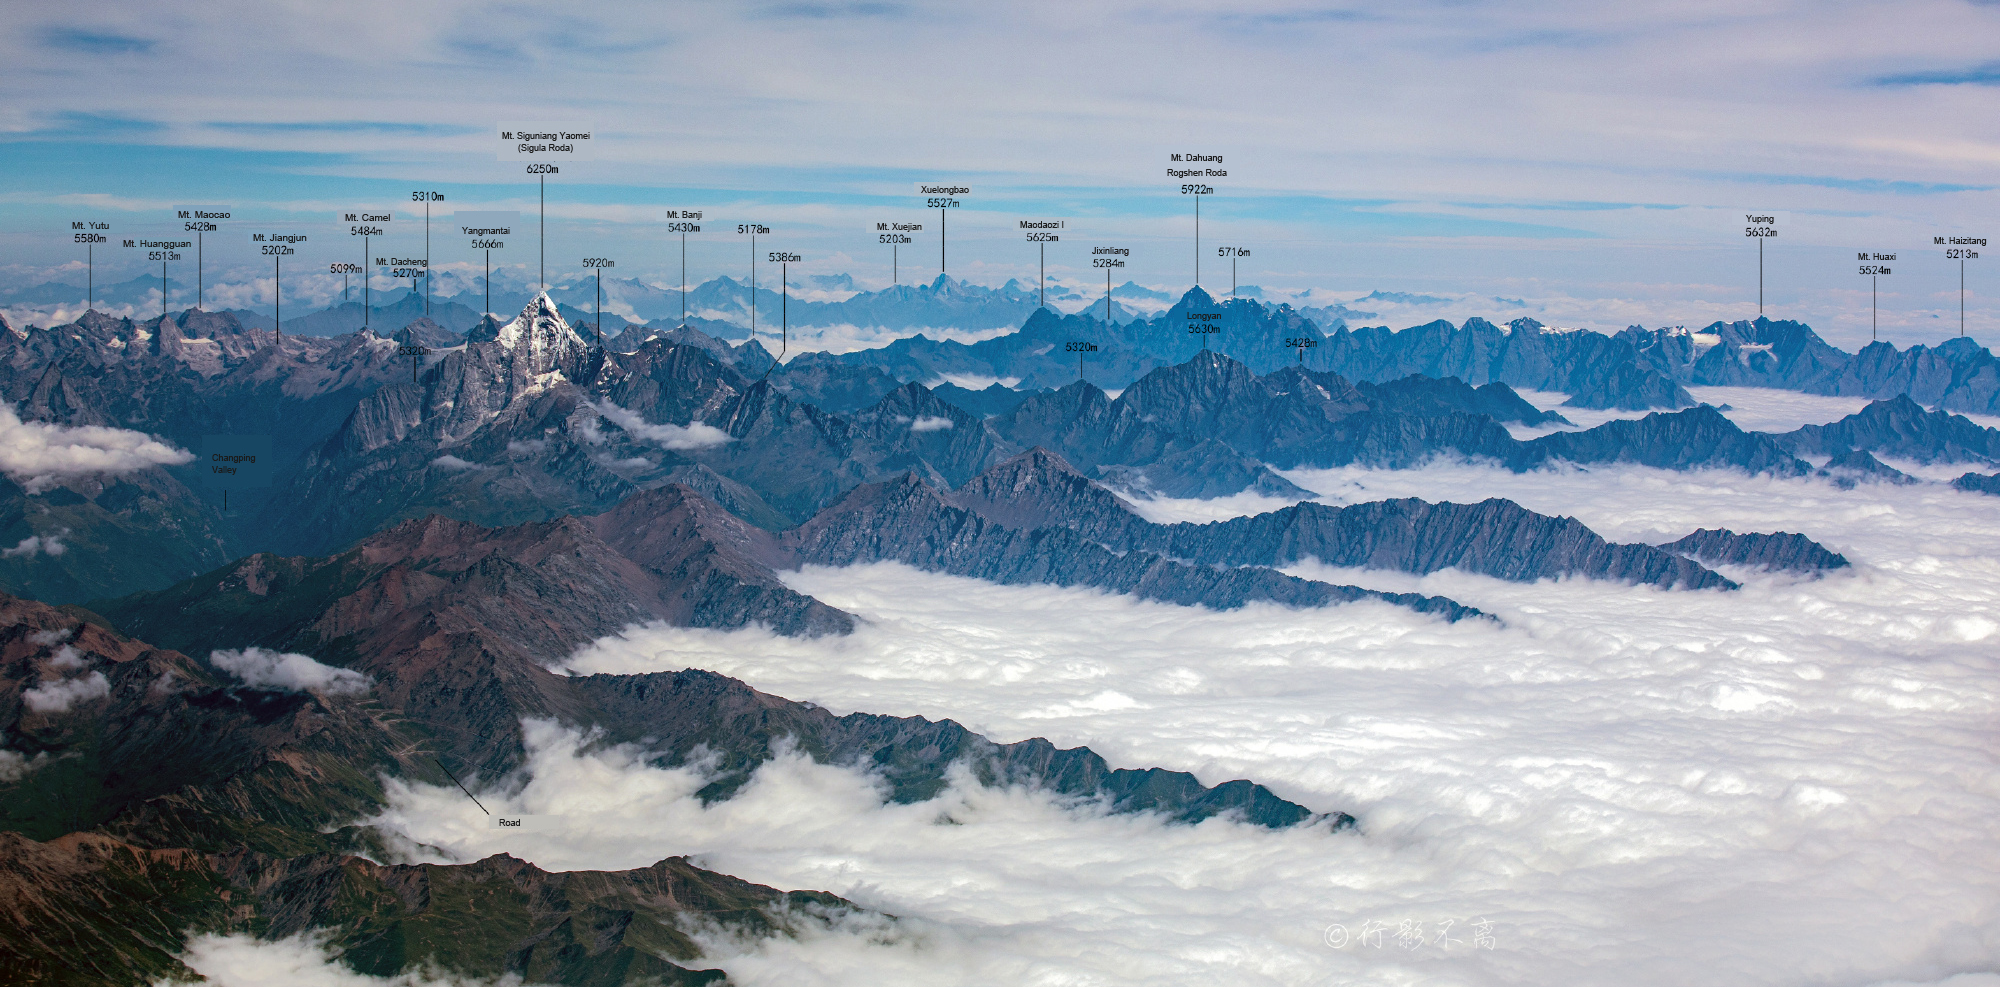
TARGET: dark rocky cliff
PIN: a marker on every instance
(1900, 427)
(908, 521)
(1494, 537)
(88, 908)
(1697, 438)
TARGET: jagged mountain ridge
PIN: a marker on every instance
(542, 423)
(1598, 371)
(1297, 418)
(942, 302)
(1955, 375)
(73, 901)
(493, 435)
(172, 800)
(1765, 353)
(1494, 537)
(876, 522)
(1783, 550)
(527, 421)
(457, 624)
(1049, 350)
(1854, 467)
(186, 375)
(671, 555)
(1900, 427)
(180, 377)
(1986, 483)
(1634, 369)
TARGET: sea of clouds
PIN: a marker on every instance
(1794, 783)
(850, 338)
(1753, 409)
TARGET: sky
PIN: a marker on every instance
(1592, 160)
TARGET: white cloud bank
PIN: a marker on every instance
(1791, 784)
(33, 545)
(283, 670)
(39, 455)
(66, 659)
(1638, 786)
(695, 435)
(15, 765)
(57, 696)
(297, 961)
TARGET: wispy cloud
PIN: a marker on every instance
(86, 42)
(1979, 75)
(72, 123)
(832, 11)
(345, 127)
(1871, 185)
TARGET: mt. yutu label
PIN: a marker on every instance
(235, 462)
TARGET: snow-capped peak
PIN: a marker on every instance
(539, 326)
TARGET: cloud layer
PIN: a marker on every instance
(297, 961)
(1633, 787)
(1639, 787)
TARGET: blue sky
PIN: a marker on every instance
(1593, 158)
